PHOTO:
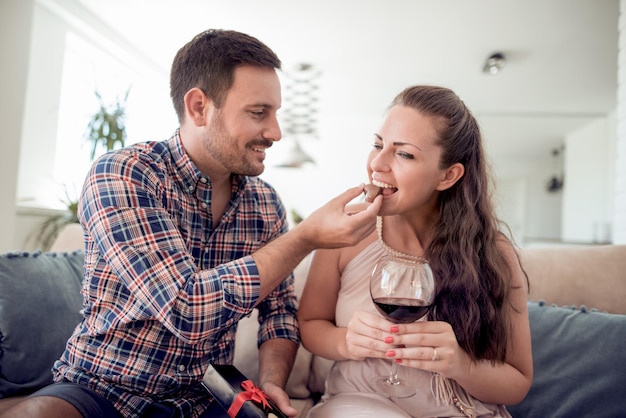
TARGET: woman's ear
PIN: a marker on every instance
(196, 106)
(452, 175)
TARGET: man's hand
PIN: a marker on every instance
(339, 223)
(334, 225)
(280, 398)
(276, 358)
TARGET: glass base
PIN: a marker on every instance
(383, 385)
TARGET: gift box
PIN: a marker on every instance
(237, 394)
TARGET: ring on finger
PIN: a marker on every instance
(435, 354)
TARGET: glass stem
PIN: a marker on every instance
(393, 374)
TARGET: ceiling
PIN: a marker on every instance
(561, 55)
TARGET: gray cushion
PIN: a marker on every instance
(40, 302)
(579, 364)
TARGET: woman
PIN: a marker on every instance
(472, 355)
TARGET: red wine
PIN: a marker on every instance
(402, 310)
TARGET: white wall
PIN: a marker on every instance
(511, 202)
(588, 192)
(15, 26)
(543, 210)
(524, 204)
(619, 214)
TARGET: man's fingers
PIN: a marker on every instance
(369, 211)
(349, 195)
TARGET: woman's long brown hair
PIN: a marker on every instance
(472, 274)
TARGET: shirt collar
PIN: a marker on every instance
(190, 174)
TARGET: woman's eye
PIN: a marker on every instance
(377, 146)
(406, 155)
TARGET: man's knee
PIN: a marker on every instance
(42, 406)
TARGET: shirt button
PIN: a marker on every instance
(190, 188)
(203, 180)
(181, 368)
(204, 205)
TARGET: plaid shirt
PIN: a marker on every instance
(163, 289)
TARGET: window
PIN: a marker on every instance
(81, 63)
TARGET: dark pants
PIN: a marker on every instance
(92, 405)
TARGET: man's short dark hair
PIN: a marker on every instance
(209, 60)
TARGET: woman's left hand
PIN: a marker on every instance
(429, 345)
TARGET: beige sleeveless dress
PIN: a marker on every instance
(348, 393)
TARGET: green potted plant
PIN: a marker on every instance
(52, 226)
(106, 131)
(107, 126)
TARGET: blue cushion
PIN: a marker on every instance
(40, 301)
(579, 364)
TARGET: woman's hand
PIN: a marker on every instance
(366, 336)
(429, 345)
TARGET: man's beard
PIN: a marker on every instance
(222, 146)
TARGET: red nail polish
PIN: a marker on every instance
(390, 353)
(394, 329)
(388, 340)
(398, 360)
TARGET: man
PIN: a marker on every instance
(182, 241)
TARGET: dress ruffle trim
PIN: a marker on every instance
(445, 392)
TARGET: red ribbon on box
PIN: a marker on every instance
(250, 393)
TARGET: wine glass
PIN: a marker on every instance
(402, 290)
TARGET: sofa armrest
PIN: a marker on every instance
(40, 301)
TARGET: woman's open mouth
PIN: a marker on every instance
(386, 189)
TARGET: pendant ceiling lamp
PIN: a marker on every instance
(299, 120)
(295, 156)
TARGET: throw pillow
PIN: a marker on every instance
(579, 363)
(40, 301)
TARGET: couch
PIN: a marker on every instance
(577, 311)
